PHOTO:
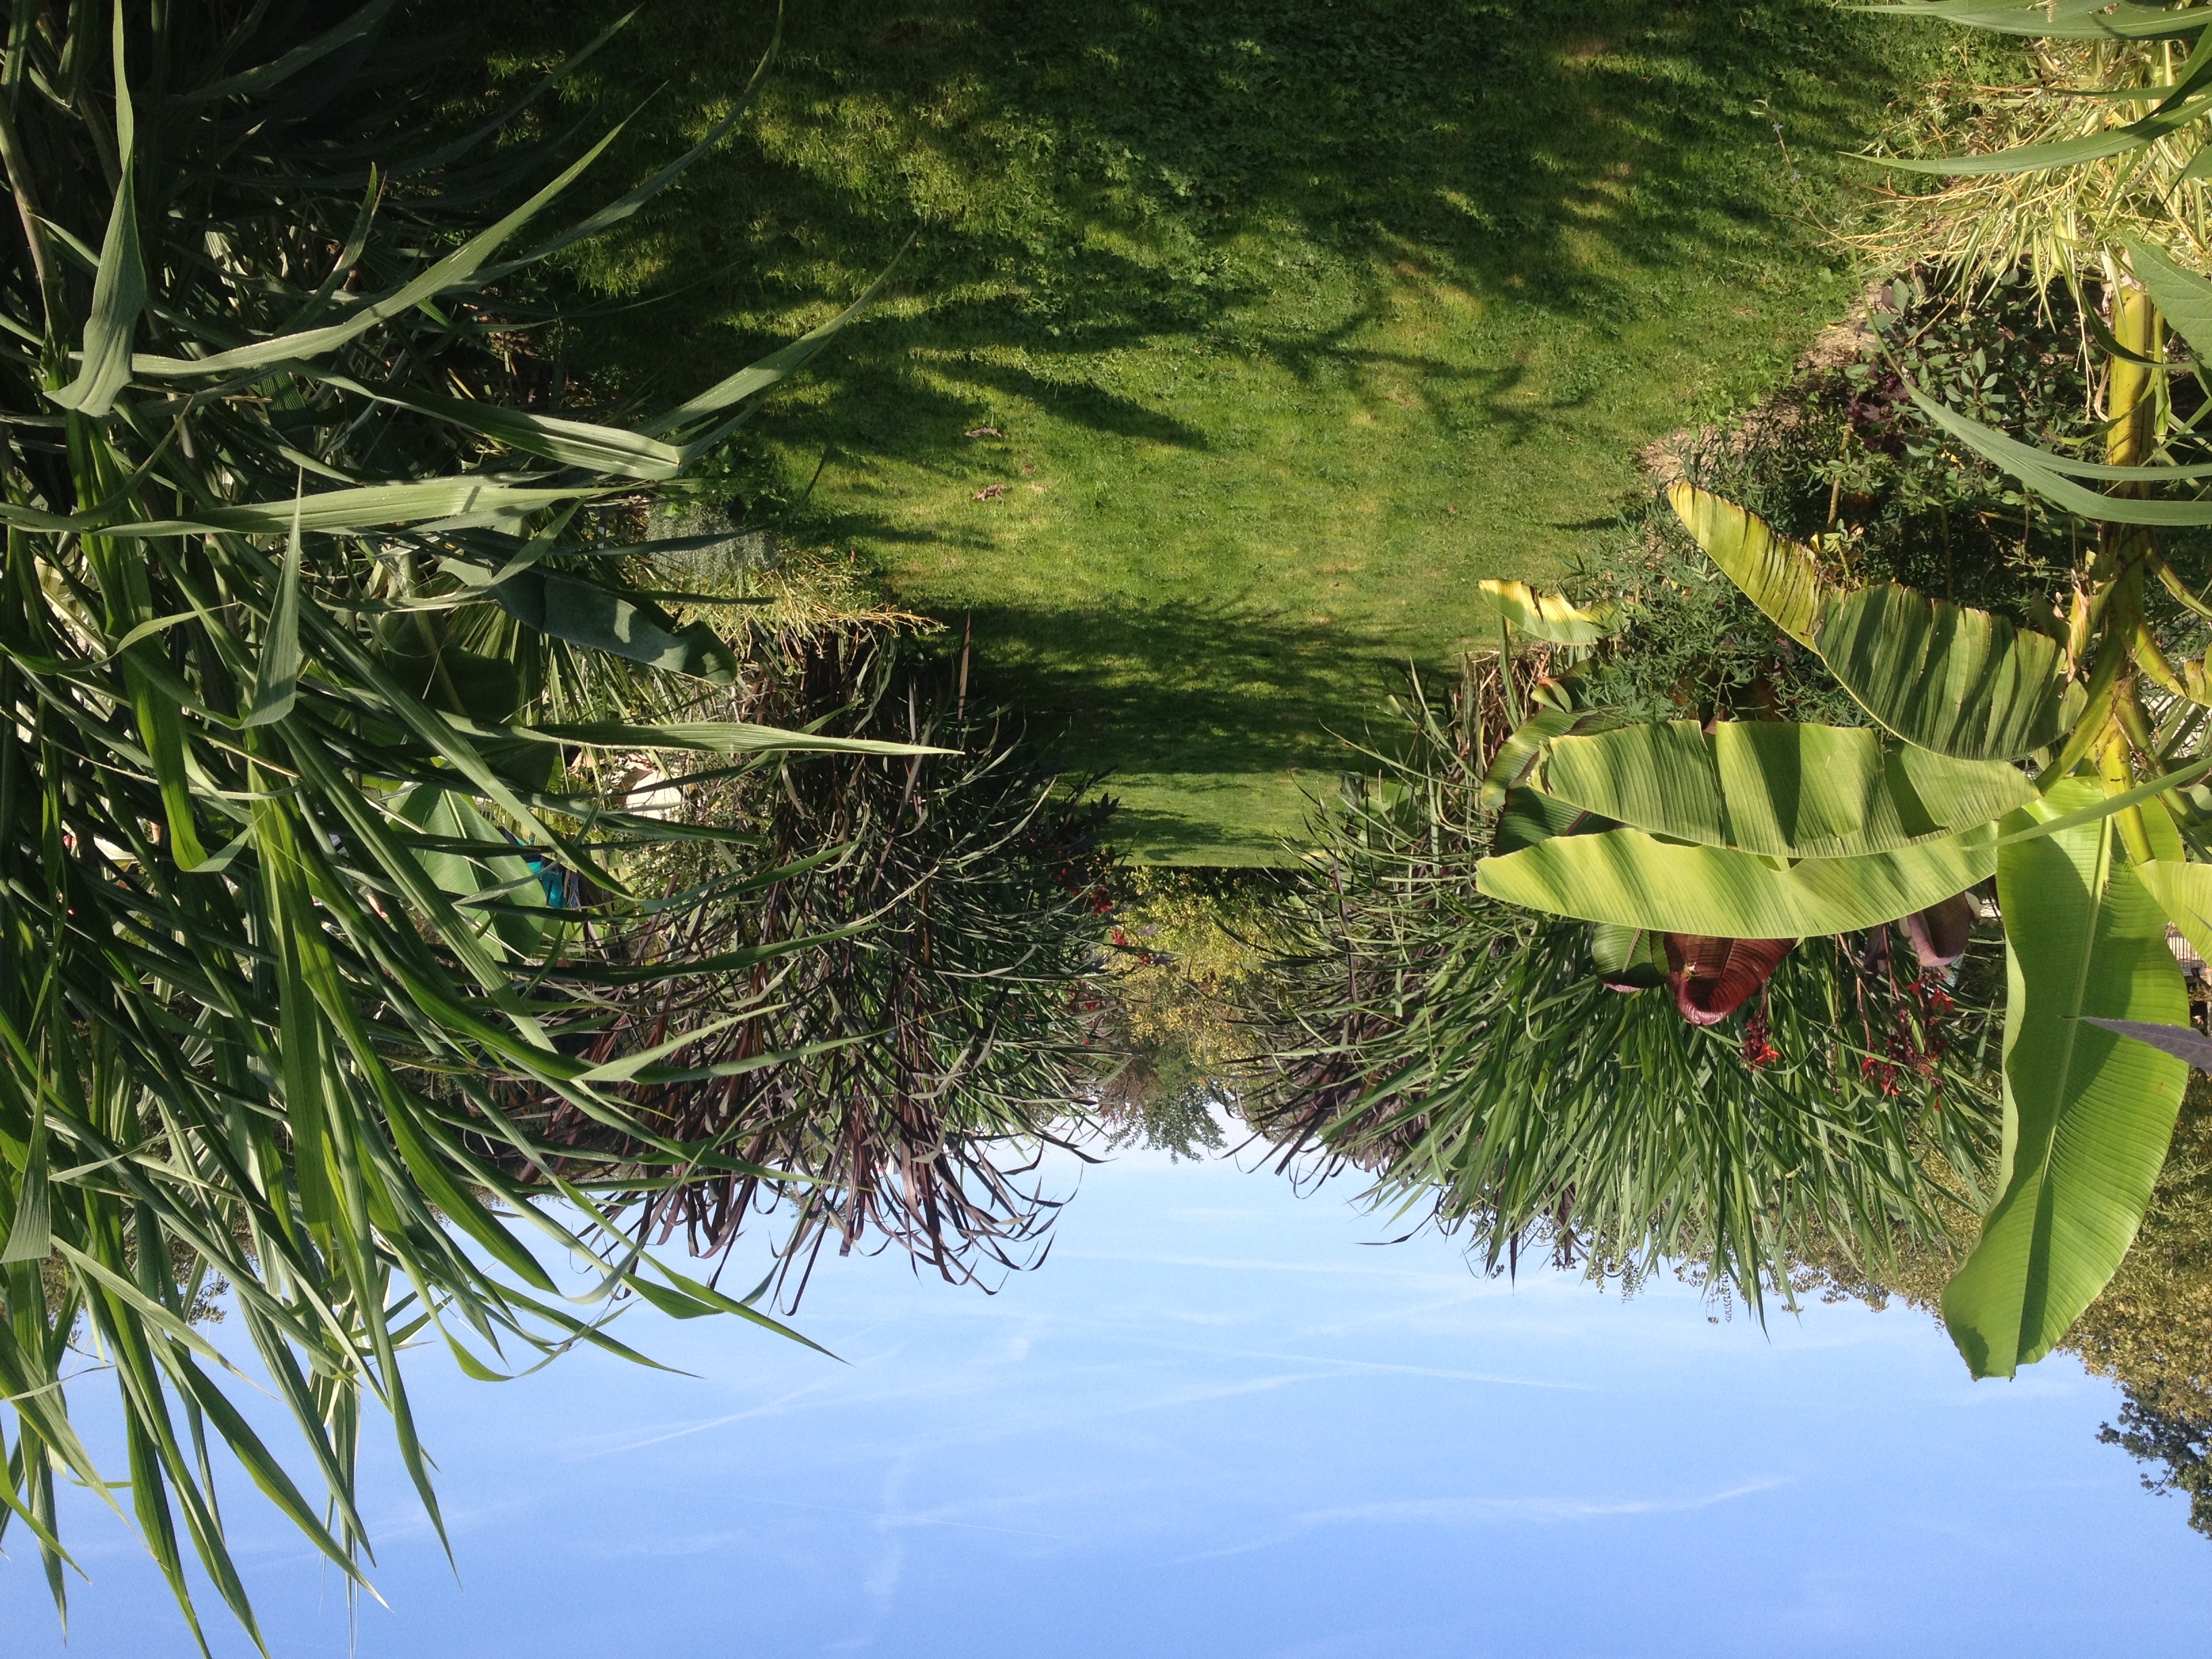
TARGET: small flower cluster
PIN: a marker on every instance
(1916, 1043)
(1758, 1049)
(1079, 883)
(1145, 957)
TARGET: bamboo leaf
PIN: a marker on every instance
(622, 625)
(458, 268)
(365, 507)
(756, 378)
(118, 286)
(281, 69)
(2088, 1116)
(30, 1235)
(276, 681)
(715, 738)
(2066, 153)
(2052, 19)
(2041, 472)
(604, 449)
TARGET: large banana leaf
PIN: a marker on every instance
(2184, 892)
(1552, 616)
(1631, 879)
(1521, 747)
(2185, 1042)
(2087, 1115)
(1777, 575)
(1959, 681)
(1531, 816)
(1772, 787)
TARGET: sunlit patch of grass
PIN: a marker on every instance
(1289, 321)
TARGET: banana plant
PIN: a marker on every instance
(306, 621)
(1771, 830)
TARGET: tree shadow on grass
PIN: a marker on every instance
(1087, 174)
(1265, 179)
(1167, 691)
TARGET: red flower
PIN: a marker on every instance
(1759, 1051)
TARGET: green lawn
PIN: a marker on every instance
(1293, 318)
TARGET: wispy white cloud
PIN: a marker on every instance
(1487, 1511)
(883, 1578)
(615, 1445)
(1234, 1264)
(1349, 1367)
(882, 1521)
(1468, 1511)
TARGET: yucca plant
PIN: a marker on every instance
(2093, 139)
(1535, 1080)
(297, 590)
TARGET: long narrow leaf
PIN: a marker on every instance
(2088, 1116)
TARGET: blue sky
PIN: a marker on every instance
(1219, 1422)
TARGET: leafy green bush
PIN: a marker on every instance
(1188, 945)
(1839, 458)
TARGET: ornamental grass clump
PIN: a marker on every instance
(938, 1033)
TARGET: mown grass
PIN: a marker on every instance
(1290, 319)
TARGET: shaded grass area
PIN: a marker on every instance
(1277, 324)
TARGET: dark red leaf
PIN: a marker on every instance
(1712, 977)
